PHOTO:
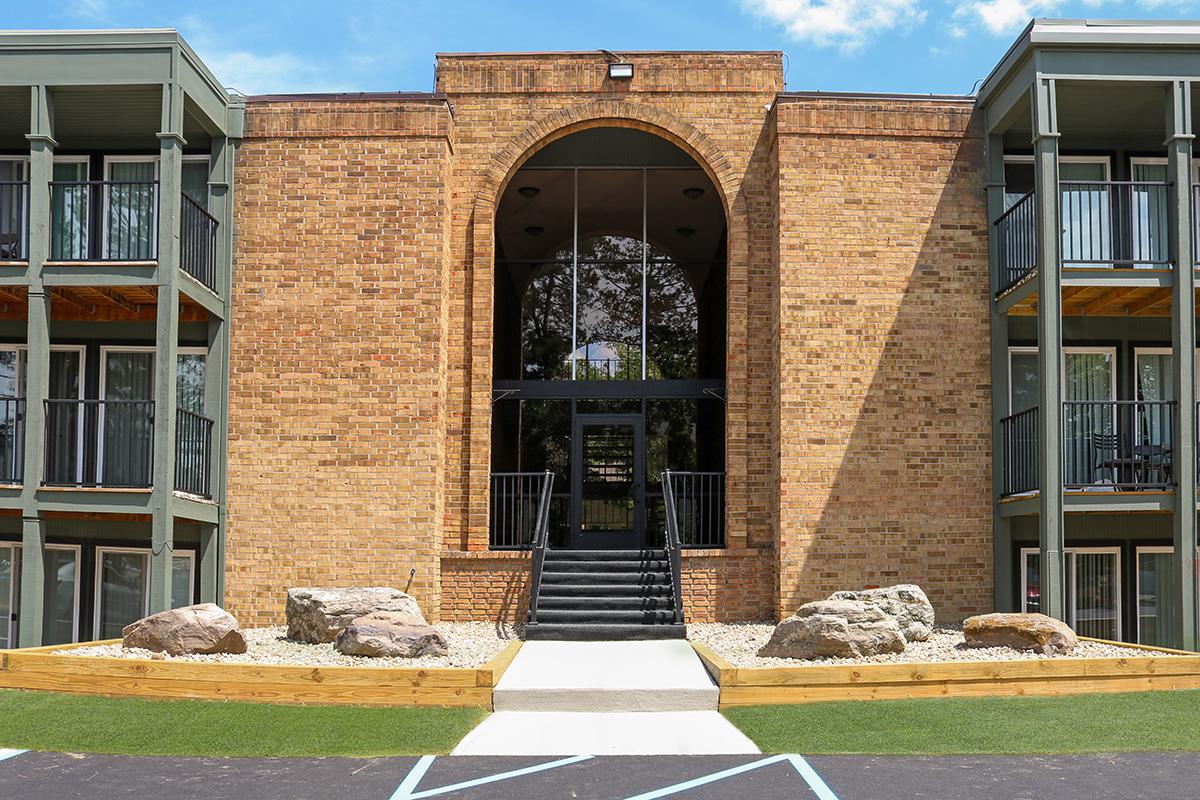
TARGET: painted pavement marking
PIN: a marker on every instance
(7, 753)
(405, 790)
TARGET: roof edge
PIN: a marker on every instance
(344, 97)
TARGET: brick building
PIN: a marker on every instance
(611, 324)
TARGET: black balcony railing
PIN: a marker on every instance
(1116, 445)
(14, 221)
(1114, 223)
(100, 443)
(1019, 434)
(1016, 241)
(699, 507)
(193, 453)
(519, 502)
(12, 439)
(198, 242)
(104, 220)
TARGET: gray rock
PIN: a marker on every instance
(202, 628)
(384, 634)
(1020, 631)
(318, 615)
(905, 603)
(838, 628)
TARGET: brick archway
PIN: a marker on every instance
(504, 164)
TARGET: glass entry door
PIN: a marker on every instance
(608, 482)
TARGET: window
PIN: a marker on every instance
(64, 436)
(131, 208)
(60, 600)
(123, 586)
(69, 209)
(1154, 618)
(194, 179)
(1093, 589)
(126, 417)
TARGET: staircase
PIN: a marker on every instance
(591, 595)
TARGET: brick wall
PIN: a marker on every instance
(337, 392)
(884, 382)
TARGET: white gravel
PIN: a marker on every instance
(471, 644)
(739, 644)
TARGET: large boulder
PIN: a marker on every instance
(318, 615)
(1020, 631)
(837, 628)
(202, 628)
(905, 603)
(383, 634)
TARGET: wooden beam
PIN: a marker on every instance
(1107, 299)
(11, 295)
(70, 297)
(117, 299)
(1070, 291)
(1152, 299)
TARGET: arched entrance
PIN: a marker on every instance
(609, 340)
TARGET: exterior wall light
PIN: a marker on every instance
(693, 192)
(534, 230)
(528, 191)
(685, 232)
(622, 71)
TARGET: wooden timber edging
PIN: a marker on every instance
(42, 668)
(740, 686)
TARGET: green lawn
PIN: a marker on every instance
(1082, 724)
(48, 721)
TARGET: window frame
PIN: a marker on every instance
(22, 351)
(14, 586)
(131, 159)
(1137, 581)
(148, 555)
(1069, 554)
(1080, 350)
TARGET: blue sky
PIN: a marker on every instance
(259, 46)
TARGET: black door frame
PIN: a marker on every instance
(615, 540)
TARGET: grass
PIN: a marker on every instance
(1101, 723)
(69, 723)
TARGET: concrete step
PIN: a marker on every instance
(604, 578)
(597, 616)
(606, 565)
(604, 589)
(606, 676)
(597, 632)
(606, 555)
(602, 602)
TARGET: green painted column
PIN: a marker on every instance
(166, 342)
(216, 400)
(37, 369)
(1183, 348)
(1049, 327)
(1002, 568)
(208, 563)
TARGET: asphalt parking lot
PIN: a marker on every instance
(61, 776)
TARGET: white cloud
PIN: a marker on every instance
(848, 24)
(1006, 17)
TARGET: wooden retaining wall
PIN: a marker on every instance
(41, 668)
(1049, 677)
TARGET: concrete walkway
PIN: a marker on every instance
(605, 698)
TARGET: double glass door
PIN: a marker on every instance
(608, 504)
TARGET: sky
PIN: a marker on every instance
(274, 46)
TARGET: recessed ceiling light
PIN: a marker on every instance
(693, 192)
(534, 230)
(685, 232)
(528, 191)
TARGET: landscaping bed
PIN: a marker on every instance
(739, 643)
(470, 645)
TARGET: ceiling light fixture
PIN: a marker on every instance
(534, 230)
(528, 191)
(685, 232)
(693, 192)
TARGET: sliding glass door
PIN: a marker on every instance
(1093, 589)
(131, 209)
(60, 596)
(123, 586)
(127, 413)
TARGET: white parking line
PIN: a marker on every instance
(7, 753)
(405, 790)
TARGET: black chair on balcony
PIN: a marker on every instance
(10, 246)
(1153, 465)
(1107, 447)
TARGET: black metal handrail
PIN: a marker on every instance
(1115, 223)
(515, 502)
(1019, 433)
(541, 542)
(198, 242)
(14, 220)
(118, 433)
(104, 220)
(193, 453)
(673, 544)
(12, 439)
(1016, 241)
(699, 507)
(1118, 445)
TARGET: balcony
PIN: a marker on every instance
(14, 221)
(1105, 225)
(104, 220)
(1108, 446)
